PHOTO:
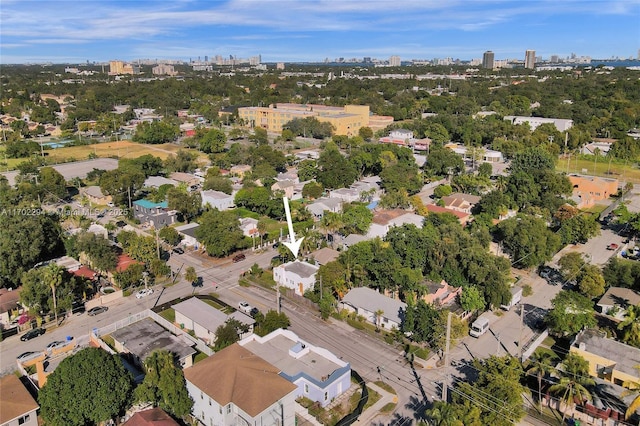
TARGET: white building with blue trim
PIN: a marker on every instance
(318, 374)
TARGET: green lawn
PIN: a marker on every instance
(169, 315)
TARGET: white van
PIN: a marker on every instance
(479, 327)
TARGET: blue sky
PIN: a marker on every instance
(311, 30)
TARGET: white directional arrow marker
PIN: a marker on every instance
(293, 245)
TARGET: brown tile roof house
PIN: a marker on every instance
(17, 406)
(460, 202)
(153, 417)
(235, 375)
(463, 218)
(620, 297)
(325, 255)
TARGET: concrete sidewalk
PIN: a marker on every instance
(367, 416)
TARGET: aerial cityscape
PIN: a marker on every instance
(313, 212)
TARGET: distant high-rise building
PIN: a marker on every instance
(530, 59)
(206, 58)
(280, 66)
(394, 61)
(487, 59)
(555, 59)
(119, 68)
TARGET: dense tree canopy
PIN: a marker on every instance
(220, 232)
(26, 239)
(164, 384)
(571, 312)
(87, 388)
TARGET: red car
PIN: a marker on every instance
(612, 246)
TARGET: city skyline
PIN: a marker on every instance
(312, 30)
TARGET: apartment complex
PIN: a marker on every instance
(487, 59)
(120, 68)
(530, 59)
(164, 69)
(346, 120)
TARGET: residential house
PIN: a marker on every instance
(476, 154)
(152, 417)
(249, 226)
(324, 256)
(463, 218)
(85, 272)
(384, 220)
(608, 359)
(601, 147)
(197, 315)
(188, 233)
(593, 187)
(157, 181)
(17, 405)
(441, 294)
(188, 179)
(143, 337)
(291, 174)
(376, 308)
(297, 275)
(322, 205)
(217, 200)
(235, 387)
(285, 186)
(404, 137)
(94, 195)
(561, 124)
(352, 239)
(460, 202)
(9, 304)
(240, 170)
(618, 298)
(99, 230)
(318, 374)
(153, 214)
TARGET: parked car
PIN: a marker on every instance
(254, 311)
(199, 282)
(239, 258)
(245, 307)
(178, 250)
(144, 292)
(27, 355)
(97, 310)
(32, 334)
(612, 246)
(54, 345)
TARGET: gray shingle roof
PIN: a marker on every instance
(371, 300)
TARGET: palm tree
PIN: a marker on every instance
(540, 366)
(262, 229)
(570, 390)
(190, 274)
(630, 326)
(443, 414)
(379, 313)
(632, 388)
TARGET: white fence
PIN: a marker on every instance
(108, 329)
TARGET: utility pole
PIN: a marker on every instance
(278, 298)
(521, 327)
(445, 383)
(157, 243)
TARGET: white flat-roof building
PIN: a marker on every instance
(217, 200)
(561, 124)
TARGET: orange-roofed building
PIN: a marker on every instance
(463, 218)
(124, 261)
(235, 386)
(17, 406)
(593, 187)
(85, 272)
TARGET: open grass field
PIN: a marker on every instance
(628, 172)
(119, 149)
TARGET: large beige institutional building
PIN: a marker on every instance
(346, 120)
